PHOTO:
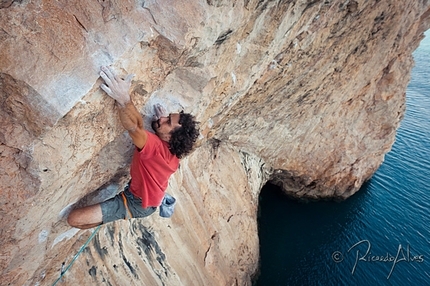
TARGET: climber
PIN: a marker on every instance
(155, 159)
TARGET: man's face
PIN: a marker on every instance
(165, 125)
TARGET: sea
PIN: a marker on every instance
(379, 236)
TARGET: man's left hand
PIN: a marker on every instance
(115, 87)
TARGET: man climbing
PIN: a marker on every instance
(155, 159)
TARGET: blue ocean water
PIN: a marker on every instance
(379, 236)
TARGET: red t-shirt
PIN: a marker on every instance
(151, 169)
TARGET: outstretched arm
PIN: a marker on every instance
(131, 119)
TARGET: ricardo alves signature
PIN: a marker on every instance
(402, 255)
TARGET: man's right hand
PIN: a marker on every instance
(160, 111)
(115, 87)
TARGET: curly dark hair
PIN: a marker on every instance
(183, 138)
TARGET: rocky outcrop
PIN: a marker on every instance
(306, 94)
(205, 243)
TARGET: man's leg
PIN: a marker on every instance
(104, 212)
(86, 217)
(107, 211)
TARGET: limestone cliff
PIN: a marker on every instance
(306, 94)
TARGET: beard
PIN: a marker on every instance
(155, 125)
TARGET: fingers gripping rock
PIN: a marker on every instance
(116, 87)
(160, 111)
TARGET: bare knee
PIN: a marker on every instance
(86, 217)
(77, 219)
(72, 219)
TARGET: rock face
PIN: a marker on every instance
(306, 94)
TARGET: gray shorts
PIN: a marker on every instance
(114, 209)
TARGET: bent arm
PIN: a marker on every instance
(132, 121)
(130, 117)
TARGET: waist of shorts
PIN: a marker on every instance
(127, 189)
